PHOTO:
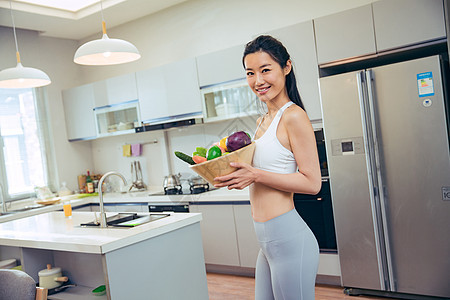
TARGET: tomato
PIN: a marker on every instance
(198, 159)
(214, 152)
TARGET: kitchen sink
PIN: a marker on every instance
(17, 210)
(127, 220)
(26, 208)
(6, 213)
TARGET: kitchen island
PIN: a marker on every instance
(162, 259)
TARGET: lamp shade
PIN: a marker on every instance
(106, 51)
(23, 77)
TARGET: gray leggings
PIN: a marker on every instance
(288, 260)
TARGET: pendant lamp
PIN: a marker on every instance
(20, 76)
(106, 51)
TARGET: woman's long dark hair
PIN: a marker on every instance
(278, 52)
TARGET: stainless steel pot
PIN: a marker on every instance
(195, 181)
(198, 185)
(172, 181)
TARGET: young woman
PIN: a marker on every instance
(285, 162)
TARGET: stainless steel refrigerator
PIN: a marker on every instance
(387, 139)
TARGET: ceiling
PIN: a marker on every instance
(75, 23)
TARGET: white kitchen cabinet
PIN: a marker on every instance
(115, 90)
(169, 92)
(218, 234)
(227, 101)
(345, 34)
(117, 118)
(224, 89)
(79, 112)
(221, 66)
(406, 22)
(246, 236)
(377, 27)
(299, 41)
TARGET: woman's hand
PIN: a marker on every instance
(239, 179)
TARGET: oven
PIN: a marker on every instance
(317, 210)
(167, 207)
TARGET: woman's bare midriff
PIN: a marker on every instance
(268, 203)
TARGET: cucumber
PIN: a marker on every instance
(185, 157)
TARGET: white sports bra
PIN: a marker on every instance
(269, 154)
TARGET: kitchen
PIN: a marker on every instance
(190, 29)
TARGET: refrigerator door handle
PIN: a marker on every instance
(374, 190)
(382, 193)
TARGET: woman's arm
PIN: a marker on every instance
(303, 145)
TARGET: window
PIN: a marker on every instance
(24, 143)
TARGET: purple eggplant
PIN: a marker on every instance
(238, 140)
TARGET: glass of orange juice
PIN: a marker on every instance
(67, 209)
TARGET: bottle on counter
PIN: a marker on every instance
(82, 183)
(89, 183)
(64, 191)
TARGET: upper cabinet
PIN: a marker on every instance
(228, 100)
(406, 22)
(225, 93)
(344, 35)
(103, 108)
(221, 66)
(169, 92)
(377, 27)
(115, 90)
(79, 112)
(117, 119)
(299, 41)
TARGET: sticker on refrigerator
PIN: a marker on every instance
(446, 193)
(425, 84)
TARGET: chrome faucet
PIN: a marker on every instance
(100, 194)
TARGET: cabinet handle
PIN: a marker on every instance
(62, 279)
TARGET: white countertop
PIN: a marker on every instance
(53, 231)
(222, 194)
(217, 195)
(43, 209)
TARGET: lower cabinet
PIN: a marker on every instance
(246, 236)
(218, 234)
(228, 234)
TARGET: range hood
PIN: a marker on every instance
(171, 122)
